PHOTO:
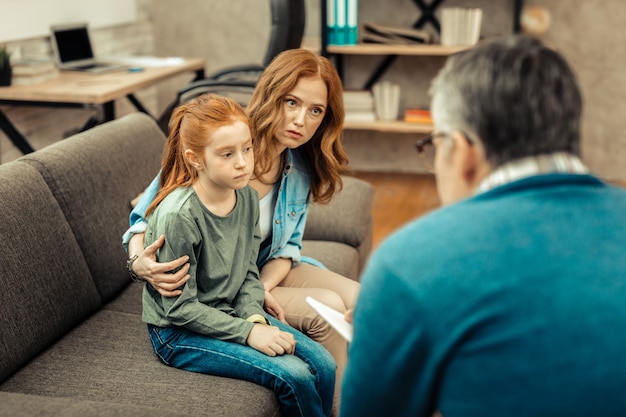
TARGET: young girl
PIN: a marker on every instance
(217, 325)
(296, 115)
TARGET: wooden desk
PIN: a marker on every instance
(76, 89)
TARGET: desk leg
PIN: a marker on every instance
(108, 109)
(14, 135)
(137, 104)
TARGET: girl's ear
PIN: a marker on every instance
(193, 159)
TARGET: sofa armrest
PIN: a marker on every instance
(347, 218)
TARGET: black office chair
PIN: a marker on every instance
(287, 30)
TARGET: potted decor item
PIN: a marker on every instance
(5, 66)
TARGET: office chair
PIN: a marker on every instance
(287, 30)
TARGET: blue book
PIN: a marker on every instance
(331, 21)
(351, 32)
(342, 21)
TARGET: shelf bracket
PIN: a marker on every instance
(427, 16)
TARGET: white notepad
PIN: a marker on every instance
(333, 317)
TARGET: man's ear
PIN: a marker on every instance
(465, 156)
(472, 162)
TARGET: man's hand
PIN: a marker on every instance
(348, 315)
(270, 340)
(273, 308)
(158, 274)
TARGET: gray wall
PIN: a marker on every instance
(584, 31)
(235, 32)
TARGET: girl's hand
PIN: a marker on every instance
(272, 307)
(270, 340)
(158, 274)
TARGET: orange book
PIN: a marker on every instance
(418, 115)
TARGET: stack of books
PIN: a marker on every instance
(418, 115)
(375, 33)
(341, 22)
(359, 106)
(33, 71)
(460, 26)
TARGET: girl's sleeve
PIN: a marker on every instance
(249, 300)
(137, 217)
(186, 310)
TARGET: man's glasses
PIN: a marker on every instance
(426, 149)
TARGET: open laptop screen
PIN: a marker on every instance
(72, 43)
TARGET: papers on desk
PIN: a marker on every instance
(148, 61)
(333, 317)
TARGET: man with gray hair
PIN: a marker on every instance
(510, 300)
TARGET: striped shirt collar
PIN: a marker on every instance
(560, 162)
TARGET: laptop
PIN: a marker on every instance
(73, 51)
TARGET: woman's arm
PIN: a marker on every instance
(274, 271)
(146, 266)
(157, 274)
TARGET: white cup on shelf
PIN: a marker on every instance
(386, 100)
(460, 25)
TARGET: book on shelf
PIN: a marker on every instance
(359, 105)
(360, 116)
(418, 115)
(358, 100)
(341, 22)
(375, 33)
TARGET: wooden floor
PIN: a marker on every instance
(399, 198)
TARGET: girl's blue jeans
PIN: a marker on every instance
(303, 382)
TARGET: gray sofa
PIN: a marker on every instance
(72, 342)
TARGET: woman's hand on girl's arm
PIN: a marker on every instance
(272, 307)
(158, 274)
(271, 340)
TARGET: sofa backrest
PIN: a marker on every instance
(45, 284)
(94, 175)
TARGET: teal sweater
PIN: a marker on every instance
(224, 288)
(509, 303)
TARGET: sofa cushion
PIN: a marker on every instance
(338, 257)
(110, 164)
(108, 358)
(346, 218)
(23, 405)
(45, 284)
(128, 301)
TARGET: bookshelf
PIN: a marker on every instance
(390, 52)
(386, 49)
(393, 126)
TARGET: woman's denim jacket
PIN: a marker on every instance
(292, 205)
